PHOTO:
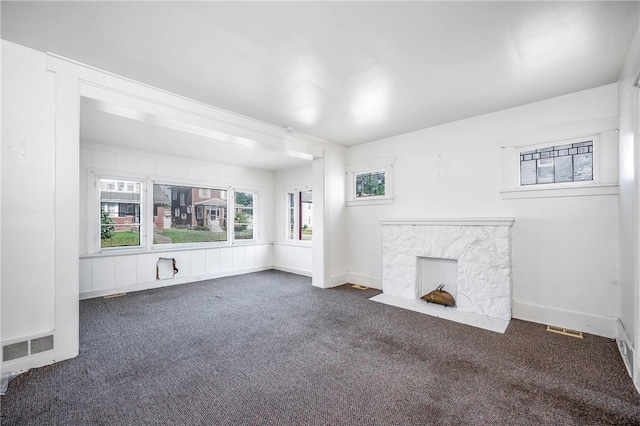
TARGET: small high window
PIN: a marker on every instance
(555, 164)
(370, 184)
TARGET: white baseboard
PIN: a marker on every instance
(366, 280)
(339, 279)
(625, 346)
(600, 325)
(296, 271)
(166, 283)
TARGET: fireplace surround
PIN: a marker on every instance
(481, 247)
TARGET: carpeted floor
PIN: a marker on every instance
(269, 349)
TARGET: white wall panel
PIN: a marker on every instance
(146, 267)
(198, 262)
(264, 255)
(126, 270)
(249, 256)
(104, 273)
(183, 262)
(140, 163)
(86, 272)
(28, 192)
(238, 255)
(226, 260)
(213, 261)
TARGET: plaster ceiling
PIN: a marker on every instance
(346, 72)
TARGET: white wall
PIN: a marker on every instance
(114, 272)
(629, 298)
(564, 248)
(27, 193)
(32, 195)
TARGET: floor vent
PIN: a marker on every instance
(115, 295)
(564, 331)
(360, 287)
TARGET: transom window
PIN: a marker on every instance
(555, 164)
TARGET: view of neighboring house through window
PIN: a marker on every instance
(556, 164)
(243, 226)
(185, 214)
(370, 184)
(120, 213)
(300, 215)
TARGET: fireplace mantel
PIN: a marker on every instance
(460, 221)
(480, 245)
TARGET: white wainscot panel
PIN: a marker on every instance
(86, 270)
(293, 258)
(104, 273)
(250, 256)
(183, 263)
(238, 257)
(198, 262)
(226, 259)
(146, 267)
(264, 255)
(212, 261)
(126, 267)
(305, 257)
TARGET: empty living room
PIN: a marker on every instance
(320, 213)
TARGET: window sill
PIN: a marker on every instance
(162, 249)
(562, 191)
(293, 243)
(370, 201)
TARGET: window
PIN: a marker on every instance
(120, 213)
(184, 214)
(300, 215)
(370, 184)
(556, 164)
(243, 226)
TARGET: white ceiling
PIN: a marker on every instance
(346, 72)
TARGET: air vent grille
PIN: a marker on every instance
(565, 331)
(359, 287)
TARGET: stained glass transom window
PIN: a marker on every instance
(370, 184)
(556, 164)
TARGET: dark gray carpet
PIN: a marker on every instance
(269, 349)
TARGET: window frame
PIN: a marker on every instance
(354, 170)
(528, 151)
(95, 216)
(602, 132)
(297, 215)
(180, 199)
(255, 211)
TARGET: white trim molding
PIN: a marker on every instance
(600, 325)
(453, 221)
